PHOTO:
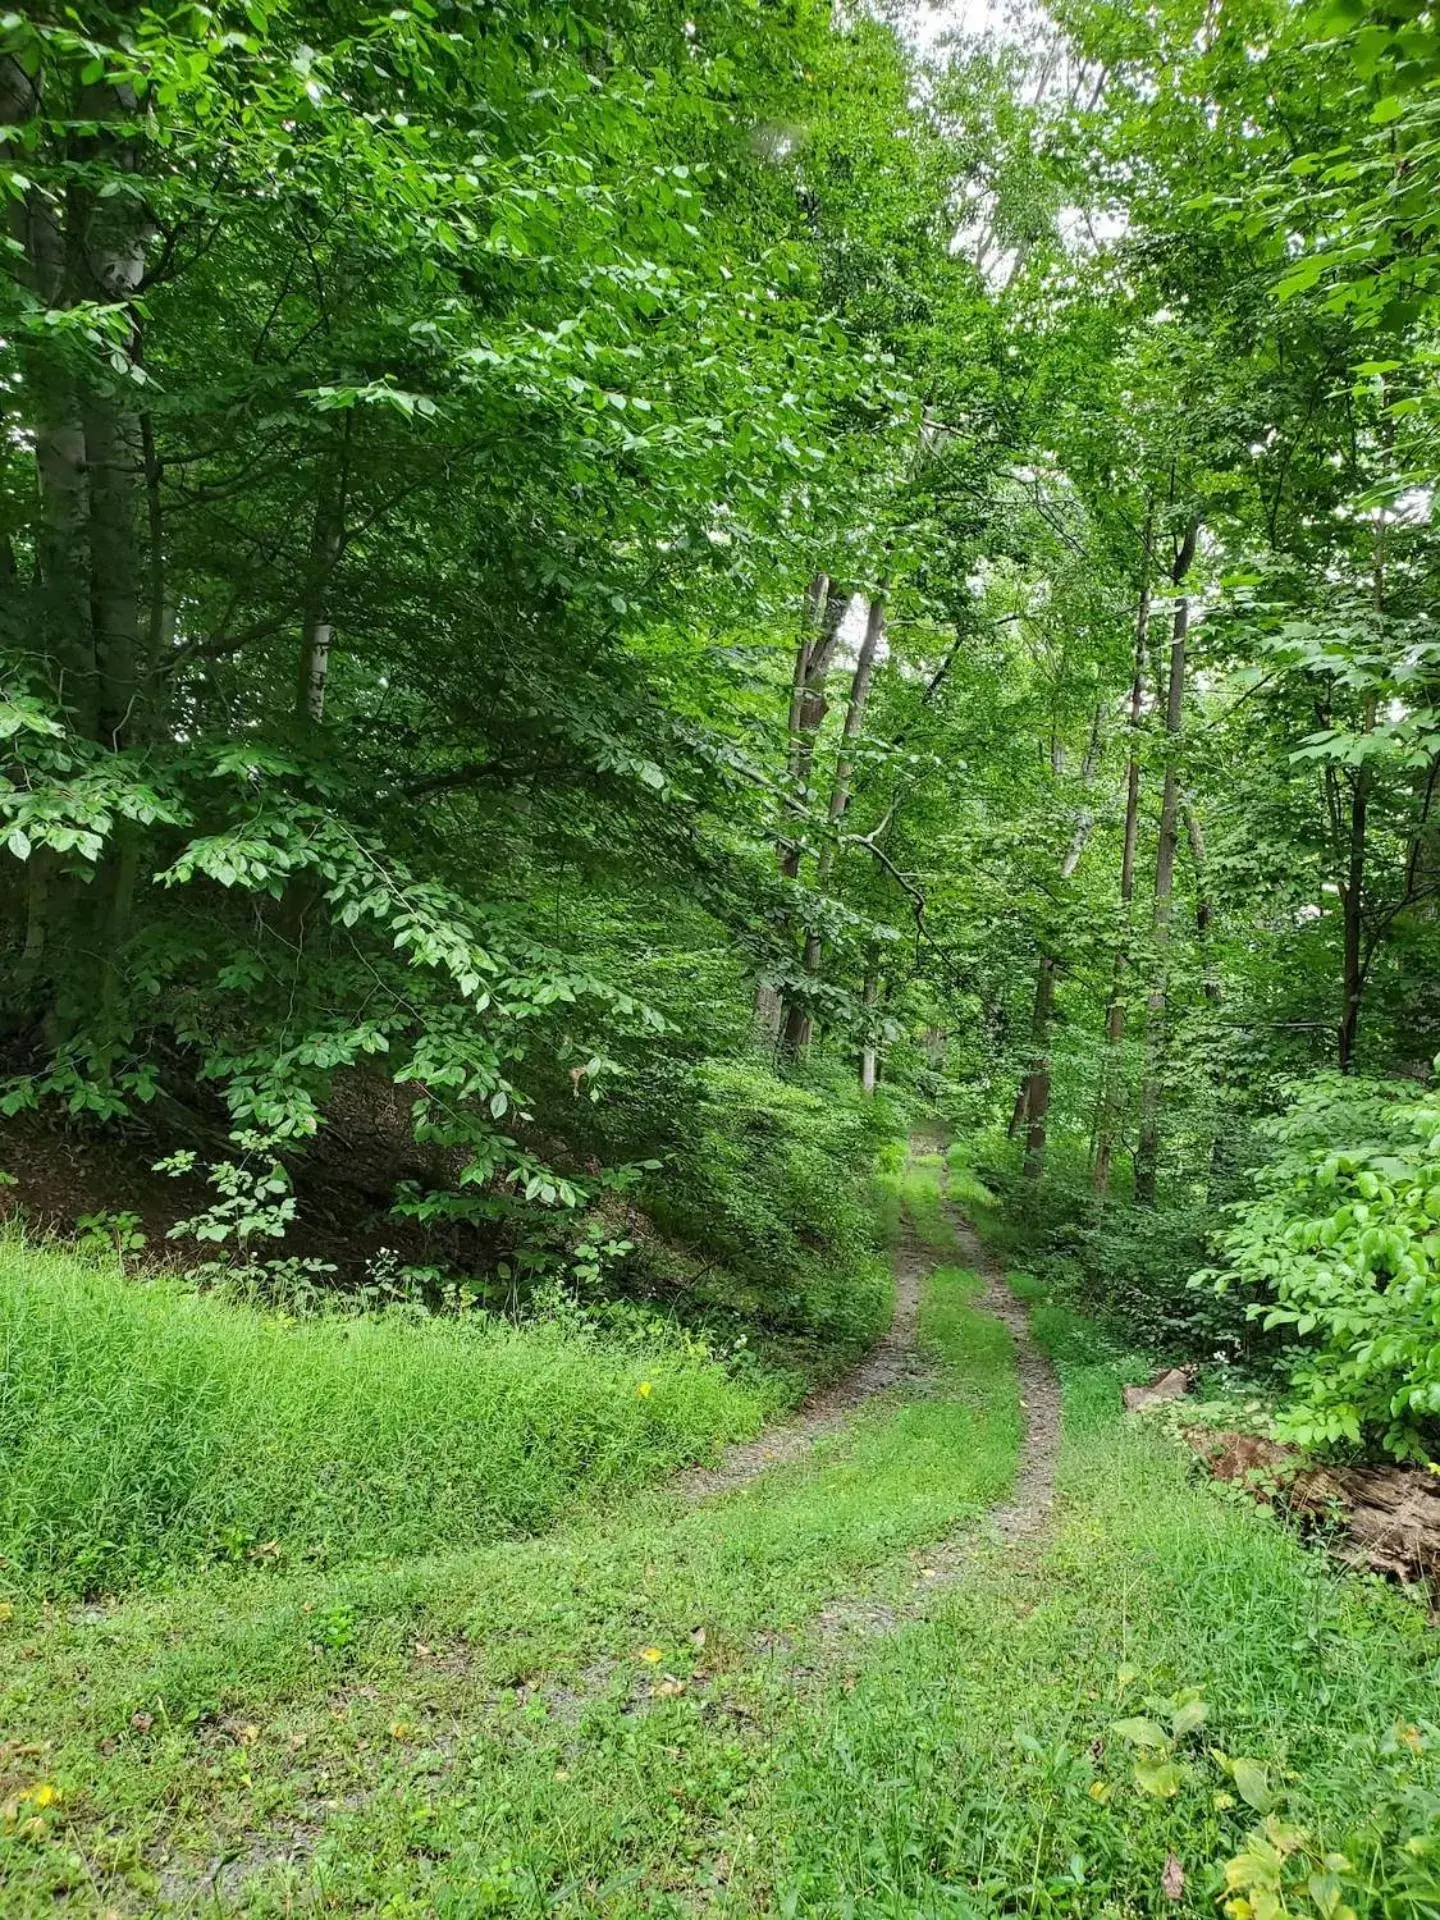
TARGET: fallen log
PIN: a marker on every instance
(1389, 1516)
(1173, 1384)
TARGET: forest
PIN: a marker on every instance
(720, 958)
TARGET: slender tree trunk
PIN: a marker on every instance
(1352, 905)
(808, 709)
(1032, 1102)
(869, 1053)
(317, 631)
(769, 1009)
(59, 610)
(1352, 890)
(798, 1023)
(110, 239)
(1204, 909)
(1147, 1156)
(1111, 1102)
(1036, 1094)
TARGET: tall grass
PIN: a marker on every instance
(145, 1428)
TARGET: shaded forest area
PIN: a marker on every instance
(602, 603)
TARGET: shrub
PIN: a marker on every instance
(772, 1178)
(1341, 1244)
(144, 1427)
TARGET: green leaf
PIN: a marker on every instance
(1140, 1732)
(1252, 1784)
(1163, 1778)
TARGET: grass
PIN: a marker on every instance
(660, 1709)
(144, 1427)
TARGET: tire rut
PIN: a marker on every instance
(895, 1360)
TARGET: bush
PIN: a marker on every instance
(1127, 1264)
(1342, 1245)
(144, 1427)
(773, 1178)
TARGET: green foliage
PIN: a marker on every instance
(1342, 1245)
(771, 1179)
(146, 1429)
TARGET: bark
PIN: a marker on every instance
(769, 1007)
(59, 615)
(809, 705)
(1147, 1155)
(869, 1054)
(110, 235)
(1036, 1095)
(1204, 908)
(798, 1023)
(1032, 1102)
(1352, 907)
(317, 632)
(1352, 890)
(1111, 1092)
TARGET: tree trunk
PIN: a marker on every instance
(1036, 1095)
(768, 1008)
(1111, 1100)
(869, 1055)
(327, 542)
(841, 786)
(110, 240)
(1352, 906)
(809, 706)
(1352, 890)
(1147, 1155)
(1032, 1103)
(1204, 910)
(59, 610)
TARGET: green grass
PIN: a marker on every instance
(481, 1732)
(955, 1776)
(144, 1427)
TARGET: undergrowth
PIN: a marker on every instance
(145, 1427)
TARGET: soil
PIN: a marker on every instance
(895, 1361)
(1034, 1492)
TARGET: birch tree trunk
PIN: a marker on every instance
(1111, 1102)
(1147, 1154)
(768, 1010)
(798, 1025)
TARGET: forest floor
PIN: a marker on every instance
(871, 1666)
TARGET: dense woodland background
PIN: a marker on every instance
(601, 602)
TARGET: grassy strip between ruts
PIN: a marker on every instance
(641, 1714)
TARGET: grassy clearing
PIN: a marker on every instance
(488, 1733)
(144, 1428)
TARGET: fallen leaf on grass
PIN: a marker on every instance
(668, 1688)
(1172, 1881)
(652, 1654)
